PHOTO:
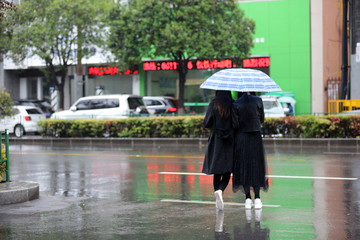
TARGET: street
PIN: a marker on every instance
(99, 192)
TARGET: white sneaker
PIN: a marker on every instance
(248, 203)
(219, 200)
(258, 203)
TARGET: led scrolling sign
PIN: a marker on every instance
(207, 64)
(197, 64)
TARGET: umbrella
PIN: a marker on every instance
(286, 99)
(240, 80)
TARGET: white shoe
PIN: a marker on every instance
(219, 200)
(248, 203)
(258, 203)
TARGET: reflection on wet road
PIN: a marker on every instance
(156, 193)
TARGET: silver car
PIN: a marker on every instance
(161, 105)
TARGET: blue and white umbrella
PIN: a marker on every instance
(241, 80)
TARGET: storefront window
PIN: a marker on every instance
(165, 83)
(113, 84)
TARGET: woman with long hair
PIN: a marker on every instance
(219, 152)
(249, 155)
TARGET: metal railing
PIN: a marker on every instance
(4, 156)
(337, 106)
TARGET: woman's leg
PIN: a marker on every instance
(216, 182)
(257, 192)
(224, 181)
(248, 201)
(247, 191)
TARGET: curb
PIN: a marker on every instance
(18, 192)
(187, 142)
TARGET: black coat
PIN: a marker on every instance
(219, 151)
(249, 155)
(248, 113)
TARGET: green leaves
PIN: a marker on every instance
(191, 127)
(179, 30)
(6, 104)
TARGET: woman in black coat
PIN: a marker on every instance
(219, 151)
(249, 155)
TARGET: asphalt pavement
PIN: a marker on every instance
(153, 192)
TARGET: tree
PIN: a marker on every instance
(6, 104)
(59, 32)
(5, 28)
(5, 6)
(179, 30)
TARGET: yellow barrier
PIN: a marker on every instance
(337, 106)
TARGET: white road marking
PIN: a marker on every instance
(311, 177)
(208, 202)
(270, 176)
(346, 153)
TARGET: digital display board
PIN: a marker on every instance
(100, 71)
(206, 64)
(171, 65)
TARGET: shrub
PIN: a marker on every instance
(191, 127)
(2, 164)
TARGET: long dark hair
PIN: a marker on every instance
(223, 101)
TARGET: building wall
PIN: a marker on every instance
(283, 32)
(317, 59)
(332, 22)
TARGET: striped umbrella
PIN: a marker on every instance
(241, 80)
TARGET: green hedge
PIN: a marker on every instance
(191, 127)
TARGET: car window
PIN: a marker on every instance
(33, 111)
(112, 103)
(134, 102)
(270, 104)
(83, 105)
(104, 103)
(97, 103)
(149, 102)
(171, 103)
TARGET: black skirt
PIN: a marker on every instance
(249, 161)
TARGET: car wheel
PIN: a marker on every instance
(19, 131)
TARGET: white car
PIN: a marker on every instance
(104, 107)
(24, 121)
(272, 107)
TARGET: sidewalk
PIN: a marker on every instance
(17, 192)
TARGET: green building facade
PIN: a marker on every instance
(282, 32)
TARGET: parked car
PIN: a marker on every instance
(23, 121)
(104, 106)
(161, 105)
(44, 105)
(272, 107)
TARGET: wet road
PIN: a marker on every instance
(158, 193)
